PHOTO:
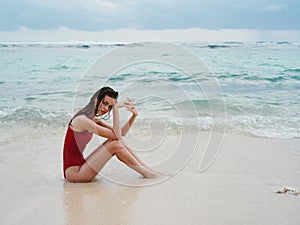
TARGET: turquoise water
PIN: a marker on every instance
(260, 83)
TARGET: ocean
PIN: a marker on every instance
(258, 87)
(234, 106)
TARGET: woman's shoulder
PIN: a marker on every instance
(81, 123)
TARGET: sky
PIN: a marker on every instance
(57, 20)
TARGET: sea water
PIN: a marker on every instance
(259, 85)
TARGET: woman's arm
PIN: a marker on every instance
(116, 128)
(116, 120)
(82, 123)
(119, 132)
(127, 126)
(103, 124)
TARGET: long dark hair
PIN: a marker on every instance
(90, 110)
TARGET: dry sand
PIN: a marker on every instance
(238, 188)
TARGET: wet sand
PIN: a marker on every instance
(238, 188)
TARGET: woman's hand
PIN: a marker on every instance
(129, 104)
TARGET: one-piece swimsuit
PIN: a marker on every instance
(74, 145)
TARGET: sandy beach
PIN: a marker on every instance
(238, 188)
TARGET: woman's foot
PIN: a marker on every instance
(154, 174)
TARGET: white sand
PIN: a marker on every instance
(237, 189)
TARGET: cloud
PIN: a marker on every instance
(91, 5)
(97, 15)
(273, 8)
(76, 14)
(67, 6)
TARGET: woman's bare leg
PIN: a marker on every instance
(126, 157)
(87, 172)
(139, 160)
(131, 151)
(96, 161)
(128, 148)
(135, 155)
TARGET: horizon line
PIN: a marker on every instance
(127, 35)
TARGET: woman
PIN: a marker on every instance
(81, 129)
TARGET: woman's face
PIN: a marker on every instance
(105, 105)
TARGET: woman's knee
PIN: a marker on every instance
(115, 147)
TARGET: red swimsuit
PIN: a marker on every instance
(75, 143)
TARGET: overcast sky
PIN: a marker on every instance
(101, 15)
